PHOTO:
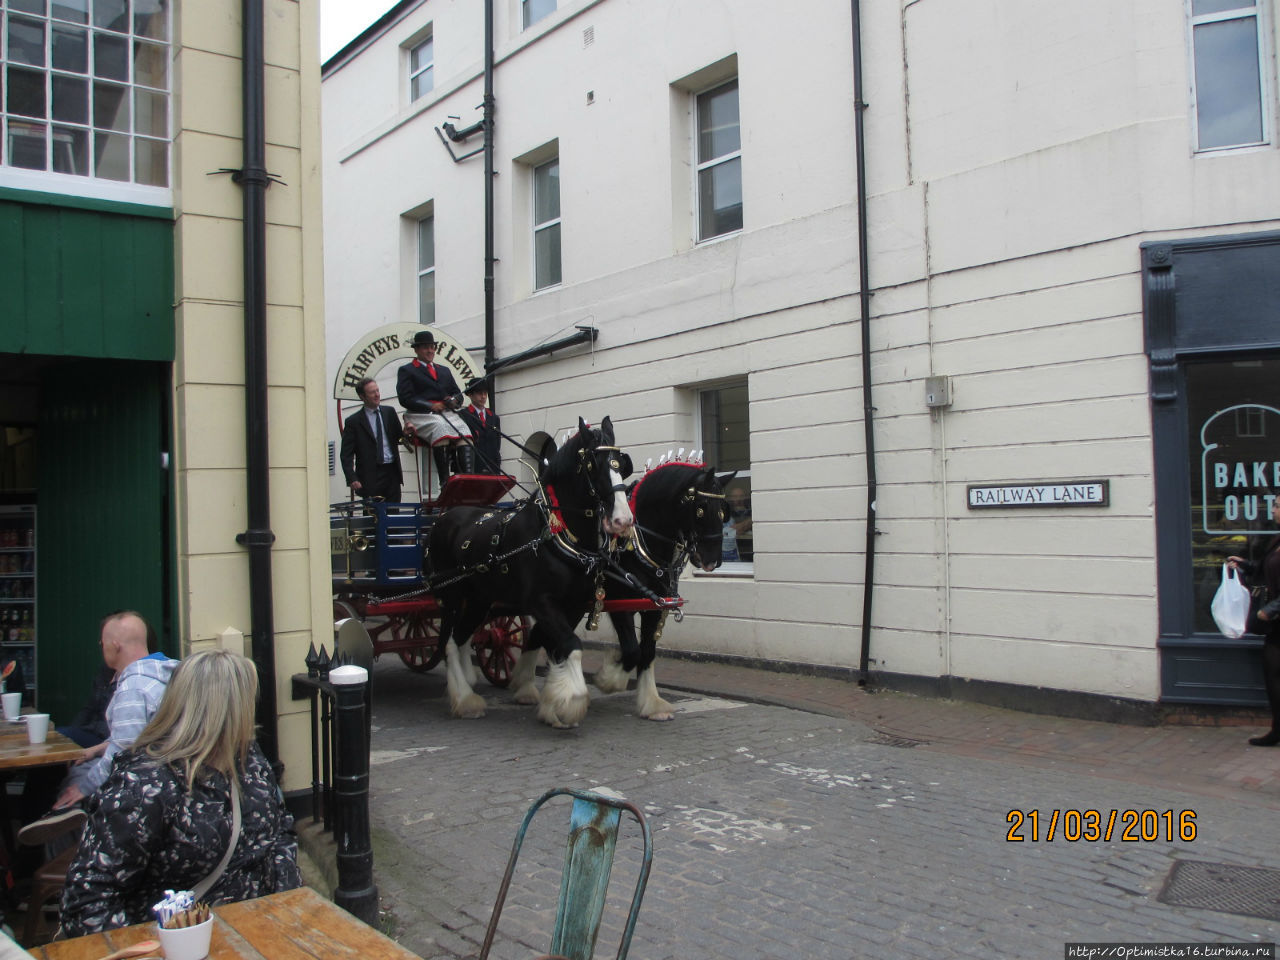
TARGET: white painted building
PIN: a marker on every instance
(682, 178)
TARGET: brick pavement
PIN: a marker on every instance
(783, 833)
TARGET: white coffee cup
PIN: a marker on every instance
(12, 705)
(37, 727)
(187, 943)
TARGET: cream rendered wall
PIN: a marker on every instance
(1018, 154)
(209, 455)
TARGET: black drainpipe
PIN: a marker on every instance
(490, 346)
(864, 297)
(253, 179)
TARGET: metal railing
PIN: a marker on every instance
(341, 715)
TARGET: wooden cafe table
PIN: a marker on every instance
(294, 925)
(17, 754)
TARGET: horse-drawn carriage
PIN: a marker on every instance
(466, 572)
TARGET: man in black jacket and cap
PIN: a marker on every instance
(430, 398)
(486, 429)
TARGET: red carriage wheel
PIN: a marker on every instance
(498, 644)
(424, 628)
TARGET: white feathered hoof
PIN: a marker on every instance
(564, 696)
(467, 659)
(649, 705)
(469, 707)
(611, 678)
(524, 679)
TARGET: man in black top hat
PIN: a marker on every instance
(485, 427)
(370, 457)
(430, 397)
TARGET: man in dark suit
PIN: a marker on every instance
(370, 458)
(485, 427)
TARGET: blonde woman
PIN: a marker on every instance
(164, 818)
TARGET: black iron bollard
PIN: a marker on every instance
(356, 892)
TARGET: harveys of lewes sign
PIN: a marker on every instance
(390, 344)
(1078, 493)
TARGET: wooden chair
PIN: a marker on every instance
(584, 882)
(46, 886)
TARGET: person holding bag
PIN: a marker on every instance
(192, 805)
(1267, 571)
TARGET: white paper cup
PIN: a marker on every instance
(12, 705)
(187, 943)
(37, 727)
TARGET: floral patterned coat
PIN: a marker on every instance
(147, 833)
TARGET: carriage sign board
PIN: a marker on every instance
(1077, 493)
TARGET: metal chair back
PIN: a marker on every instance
(588, 862)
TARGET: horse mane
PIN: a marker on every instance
(564, 462)
(666, 480)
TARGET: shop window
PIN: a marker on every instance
(1229, 86)
(725, 436)
(1234, 440)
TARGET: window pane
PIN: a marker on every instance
(1228, 88)
(421, 55)
(546, 252)
(149, 65)
(110, 57)
(110, 106)
(26, 145)
(70, 99)
(26, 41)
(546, 192)
(28, 6)
(151, 19)
(422, 84)
(111, 155)
(71, 151)
(535, 10)
(1233, 426)
(77, 11)
(111, 14)
(426, 243)
(26, 93)
(720, 198)
(151, 162)
(71, 49)
(151, 113)
(726, 431)
(718, 128)
(1200, 7)
(427, 298)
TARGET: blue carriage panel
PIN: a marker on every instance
(377, 544)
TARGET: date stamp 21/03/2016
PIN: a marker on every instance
(1091, 826)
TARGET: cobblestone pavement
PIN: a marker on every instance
(782, 833)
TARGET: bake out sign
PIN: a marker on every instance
(1239, 469)
(390, 344)
(1077, 493)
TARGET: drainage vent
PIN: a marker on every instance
(890, 740)
(1248, 891)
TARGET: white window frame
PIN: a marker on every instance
(738, 568)
(702, 165)
(524, 14)
(542, 226)
(1262, 31)
(90, 185)
(411, 50)
(425, 271)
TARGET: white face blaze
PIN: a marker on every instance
(620, 519)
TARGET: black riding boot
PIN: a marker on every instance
(466, 458)
(1271, 679)
(441, 456)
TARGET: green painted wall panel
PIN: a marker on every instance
(87, 282)
(102, 535)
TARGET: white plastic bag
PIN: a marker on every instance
(1231, 604)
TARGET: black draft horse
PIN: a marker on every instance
(679, 511)
(543, 557)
